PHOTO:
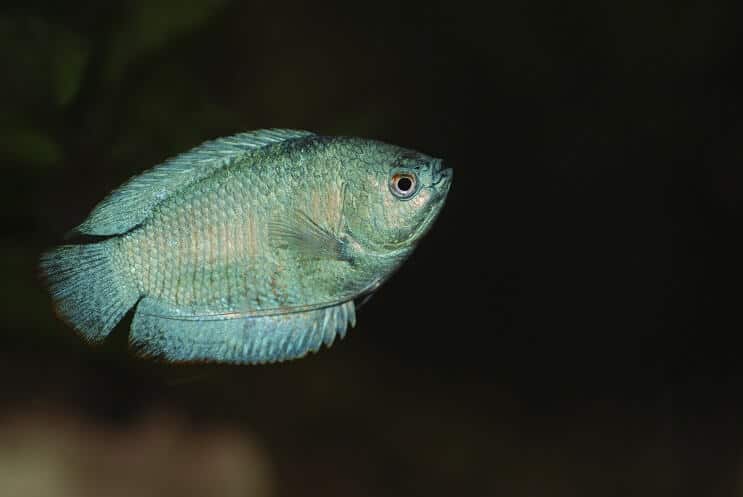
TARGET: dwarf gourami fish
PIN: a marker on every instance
(247, 249)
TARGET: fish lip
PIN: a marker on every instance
(442, 175)
(439, 172)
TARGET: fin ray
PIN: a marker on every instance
(251, 340)
(88, 291)
(301, 233)
(130, 204)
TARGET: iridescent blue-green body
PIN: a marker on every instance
(250, 248)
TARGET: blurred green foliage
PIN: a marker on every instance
(30, 146)
(44, 62)
(150, 26)
(66, 82)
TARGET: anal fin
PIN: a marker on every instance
(158, 330)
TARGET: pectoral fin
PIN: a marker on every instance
(300, 233)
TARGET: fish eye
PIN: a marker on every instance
(403, 185)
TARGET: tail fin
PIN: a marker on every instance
(87, 287)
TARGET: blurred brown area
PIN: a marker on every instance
(571, 325)
(57, 453)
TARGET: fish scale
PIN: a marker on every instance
(250, 248)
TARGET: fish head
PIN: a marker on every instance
(402, 193)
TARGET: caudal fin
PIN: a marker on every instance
(87, 288)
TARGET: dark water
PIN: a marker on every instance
(569, 327)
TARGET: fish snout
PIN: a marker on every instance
(440, 173)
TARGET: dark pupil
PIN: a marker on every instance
(404, 184)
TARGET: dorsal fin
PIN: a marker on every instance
(131, 203)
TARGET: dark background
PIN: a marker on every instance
(569, 327)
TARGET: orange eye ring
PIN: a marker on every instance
(403, 185)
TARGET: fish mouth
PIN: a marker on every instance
(441, 174)
(445, 175)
